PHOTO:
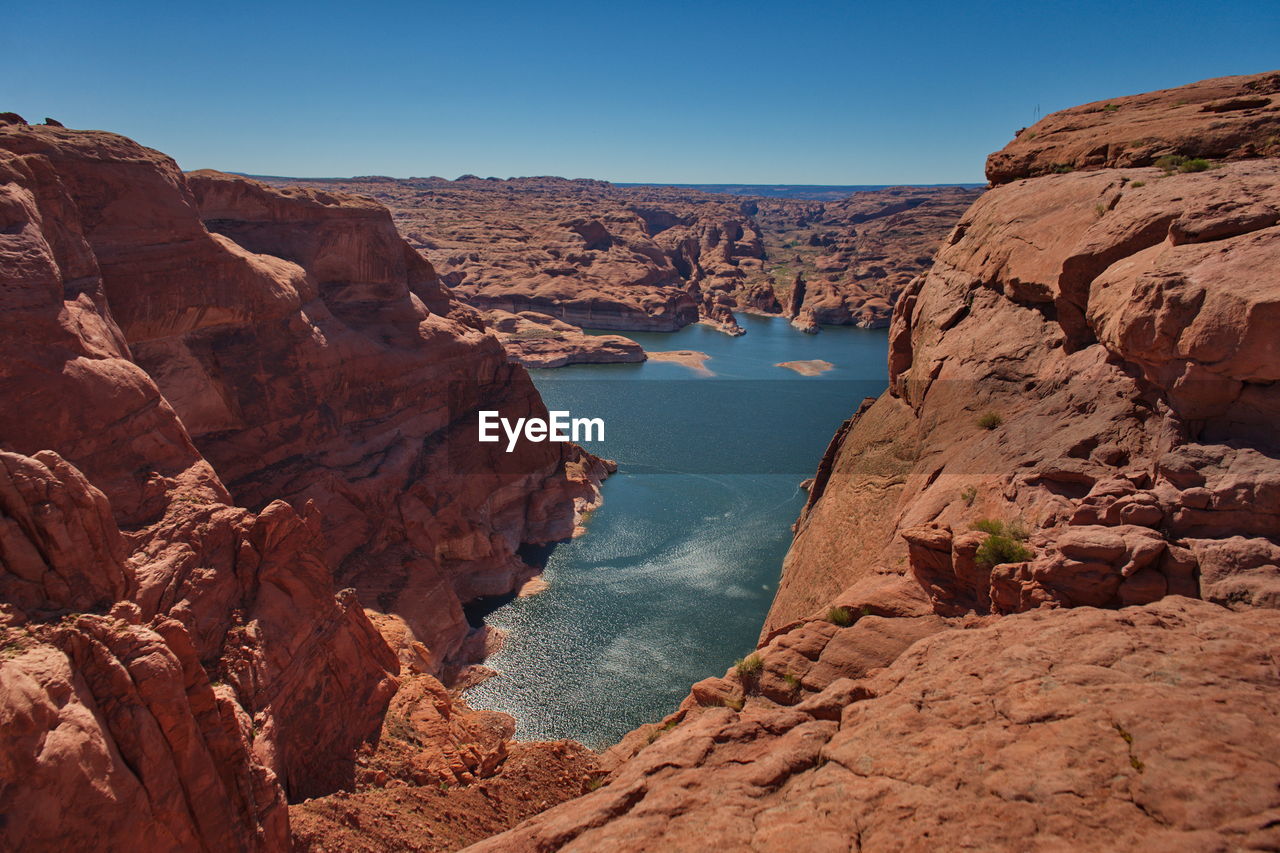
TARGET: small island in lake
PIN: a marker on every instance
(812, 367)
(692, 359)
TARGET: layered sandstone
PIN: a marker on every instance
(1226, 118)
(540, 340)
(596, 255)
(1113, 325)
(585, 252)
(205, 426)
(846, 261)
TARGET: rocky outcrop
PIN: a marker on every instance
(1076, 359)
(540, 340)
(199, 436)
(441, 818)
(1084, 729)
(1227, 118)
(120, 720)
(846, 261)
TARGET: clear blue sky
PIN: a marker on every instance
(694, 91)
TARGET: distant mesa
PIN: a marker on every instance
(597, 255)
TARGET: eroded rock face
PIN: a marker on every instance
(1078, 356)
(849, 260)
(1074, 727)
(175, 663)
(596, 255)
(540, 340)
(584, 252)
(1226, 118)
(121, 720)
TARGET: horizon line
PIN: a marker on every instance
(690, 184)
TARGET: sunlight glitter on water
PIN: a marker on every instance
(677, 571)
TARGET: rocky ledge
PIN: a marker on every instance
(540, 340)
(1224, 118)
(1081, 729)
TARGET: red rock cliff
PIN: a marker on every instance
(202, 441)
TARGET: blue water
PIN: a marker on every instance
(678, 568)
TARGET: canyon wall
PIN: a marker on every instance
(638, 258)
(1032, 599)
(224, 403)
(585, 252)
(847, 261)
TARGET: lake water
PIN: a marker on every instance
(674, 577)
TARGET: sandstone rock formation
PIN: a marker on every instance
(585, 252)
(846, 261)
(1226, 118)
(1090, 357)
(596, 255)
(540, 340)
(219, 399)
(1080, 729)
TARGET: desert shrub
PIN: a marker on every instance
(1061, 168)
(661, 730)
(1015, 529)
(999, 549)
(841, 616)
(1137, 184)
(990, 420)
(1177, 163)
(989, 525)
(1110, 108)
(535, 335)
(734, 703)
(792, 681)
(969, 495)
(750, 666)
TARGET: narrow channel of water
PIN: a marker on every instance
(678, 568)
